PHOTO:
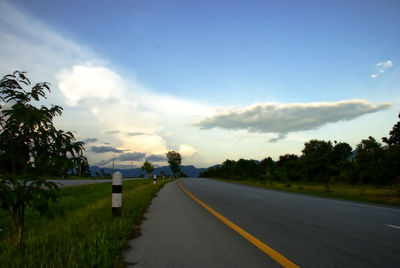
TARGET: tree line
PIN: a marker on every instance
(372, 162)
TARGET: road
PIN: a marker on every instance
(178, 232)
(309, 231)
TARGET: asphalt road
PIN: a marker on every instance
(309, 231)
(178, 232)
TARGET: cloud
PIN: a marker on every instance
(136, 134)
(187, 150)
(105, 149)
(90, 140)
(386, 64)
(383, 66)
(112, 132)
(156, 158)
(135, 156)
(286, 118)
(89, 81)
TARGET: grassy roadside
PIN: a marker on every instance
(86, 235)
(388, 195)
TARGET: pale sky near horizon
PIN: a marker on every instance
(213, 80)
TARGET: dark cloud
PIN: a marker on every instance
(135, 133)
(105, 149)
(90, 140)
(103, 162)
(112, 132)
(285, 118)
(156, 158)
(135, 156)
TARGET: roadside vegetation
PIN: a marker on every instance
(82, 231)
(371, 172)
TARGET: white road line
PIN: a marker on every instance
(253, 195)
(393, 226)
(347, 202)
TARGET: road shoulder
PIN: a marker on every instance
(178, 232)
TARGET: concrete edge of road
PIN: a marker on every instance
(276, 256)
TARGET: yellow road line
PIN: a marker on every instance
(276, 256)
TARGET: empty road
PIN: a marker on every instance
(309, 231)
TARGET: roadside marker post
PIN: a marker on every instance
(154, 179)
(117, 194)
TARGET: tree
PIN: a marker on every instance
(30, 147)
(148, 167)
(369, 161)
(317, 160)
(174, 161)
(394, 138)
(287, 167)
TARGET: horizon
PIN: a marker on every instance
(213, 81)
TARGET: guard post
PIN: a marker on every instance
(117, 194)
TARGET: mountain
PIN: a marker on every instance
(191, 171)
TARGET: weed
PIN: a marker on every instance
(86, 235)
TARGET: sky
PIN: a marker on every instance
(213, 80)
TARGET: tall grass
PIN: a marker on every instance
(86, 235)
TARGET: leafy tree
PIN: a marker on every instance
(342, 166)
(287, 167)
(174, 161)
(247, 169)
(392, 154)
(394, 138)
(183, 175)
(369, 161)
(341, 151)
(148, 167)
(229, 169)
(30, 147)
(370, 145)
(317, 160)
(267, 167)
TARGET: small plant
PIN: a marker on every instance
(362, 191)
(327, 188)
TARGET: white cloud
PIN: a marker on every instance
(187, 150)
(89, 82)
(383, 66)
(94, 96)
(386, 64)
(285, 118)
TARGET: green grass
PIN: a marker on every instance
(388, 195)
(86, 235)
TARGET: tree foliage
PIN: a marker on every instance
(30, 148)
(148, 167)
(174, 161)
(394, 136)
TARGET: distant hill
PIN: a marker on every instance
(191, 171)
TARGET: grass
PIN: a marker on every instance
(387, 195)
(85, 235)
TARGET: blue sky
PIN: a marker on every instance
(212, 79)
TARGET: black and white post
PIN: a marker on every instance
(117, 194)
